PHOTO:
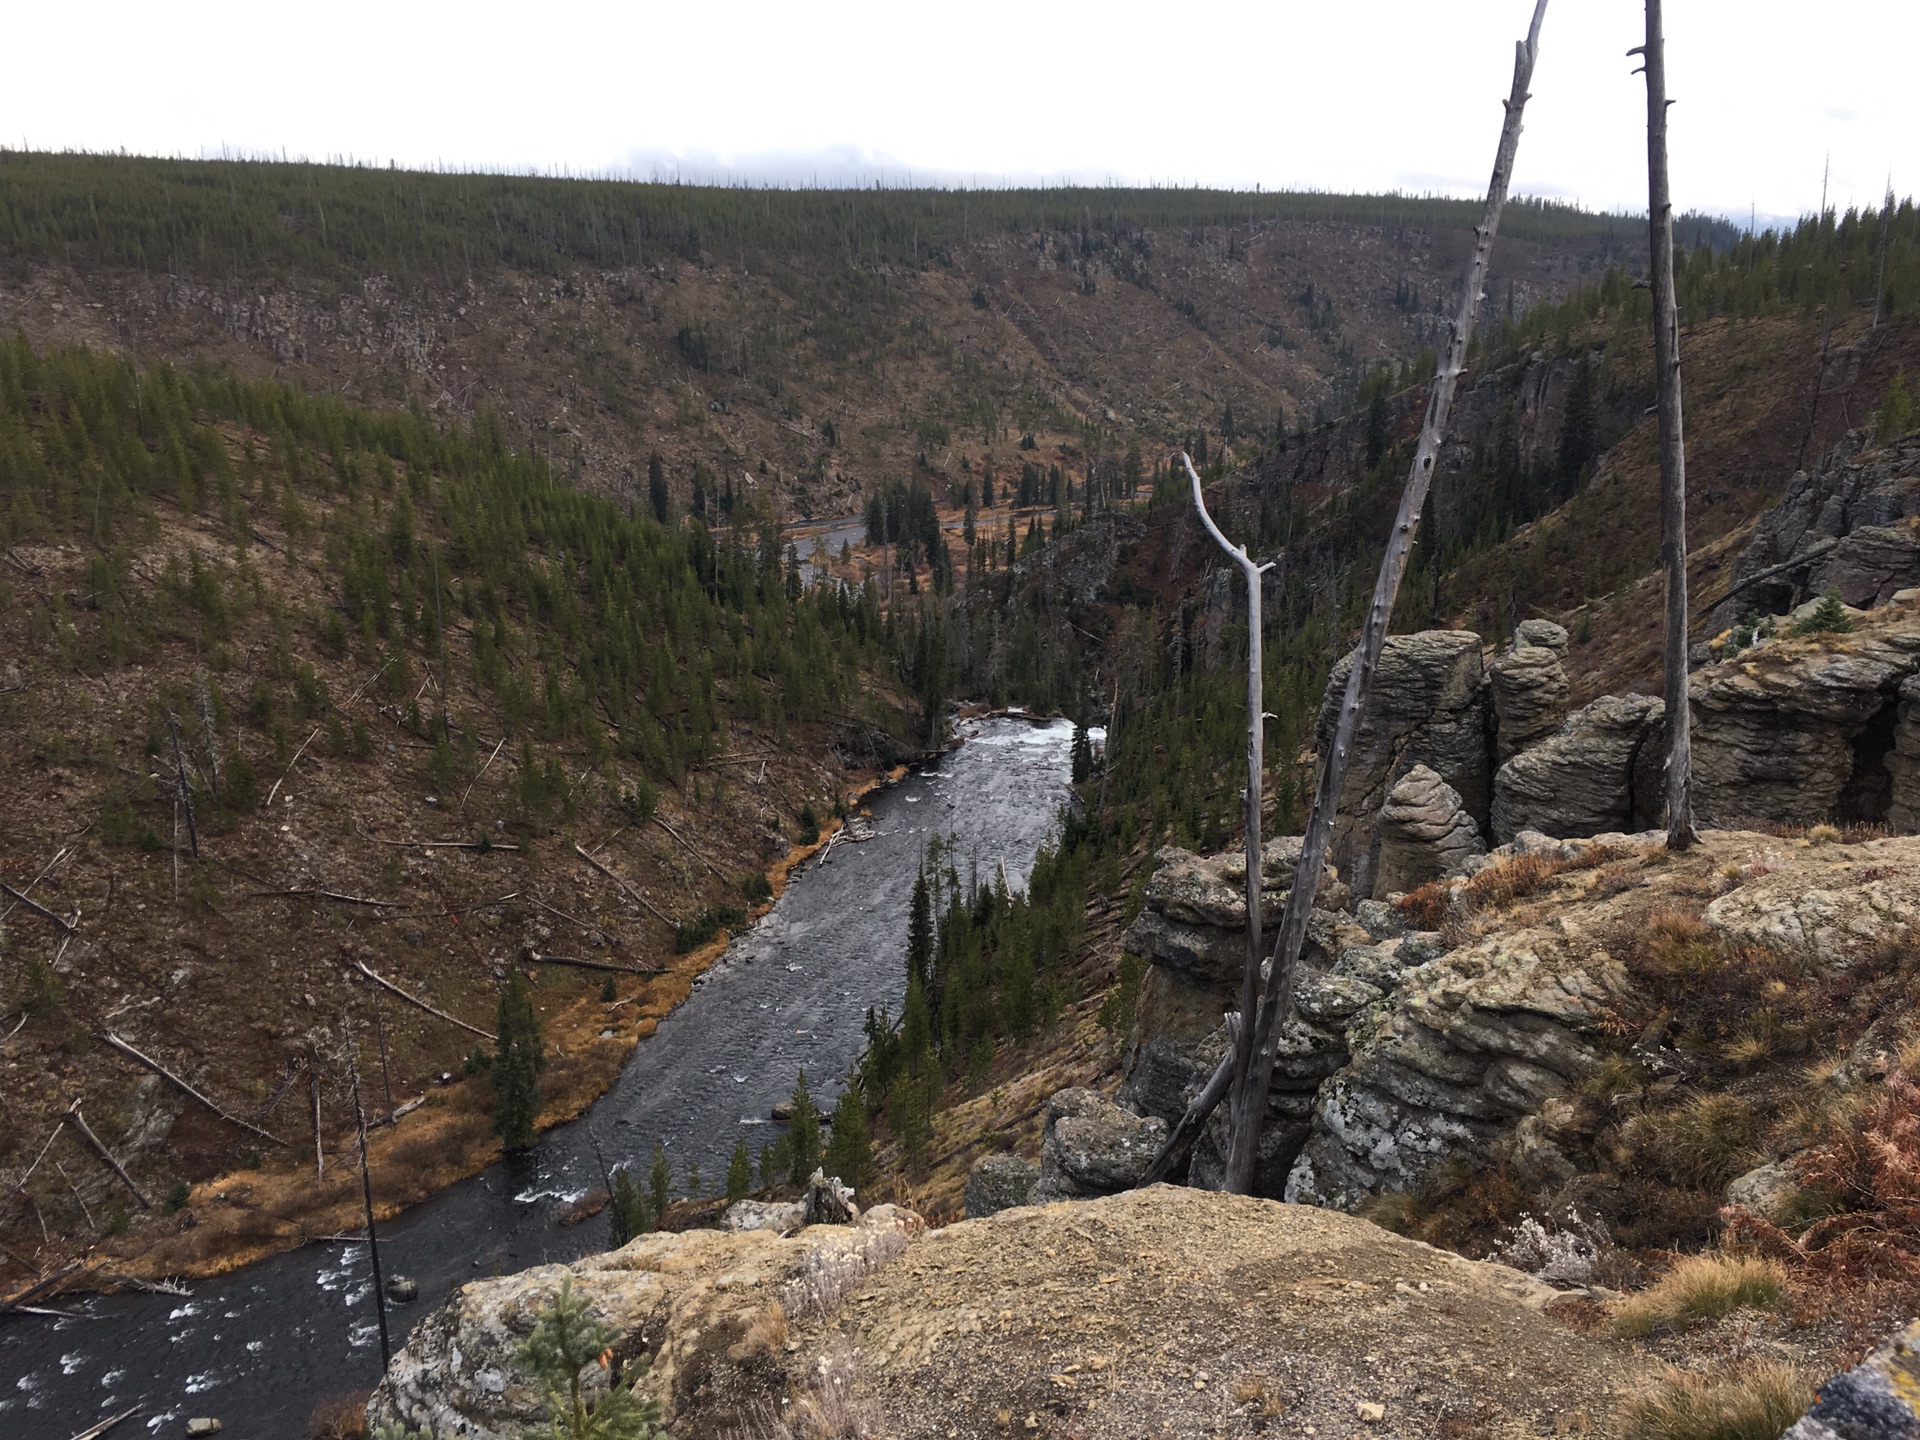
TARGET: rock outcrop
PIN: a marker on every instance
(1090, 1146)
(1529, 685)
(1428, 707)
(1469, 1044)
(1801, 731)
(1162, 1311)
(1192, 933)
(1600, 772)
(1846, 526)
(1425, 834)
(1879, 1399)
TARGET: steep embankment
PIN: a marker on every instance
(296, 696)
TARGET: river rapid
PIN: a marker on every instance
(261, 1347)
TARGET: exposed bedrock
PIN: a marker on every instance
(1428, 707)
(1529, 685)
(1425, 834)
(1600, 772)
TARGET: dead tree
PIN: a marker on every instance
(1242, 1048)
(366, 1189)
(1673, 446)
(1250, 1086)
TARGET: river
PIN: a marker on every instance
(259, 1348)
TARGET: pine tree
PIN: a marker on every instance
(518, 1060)
(1896, 410)
(566, 1339)
(739, 1172)
(657, 486)
(1578, 442)
(1082, 755)
(660, 1181)
(626, 1211)
(920, 933)
(1379, 424)
(803, 1134)
(850, 1149)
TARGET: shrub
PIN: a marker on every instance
(1702, 1143)
(177, 1197)
(1701, 1289)
(1123, 1001)
(1755, 1401)
(756, 887)
(692, 934)
(1823, 835)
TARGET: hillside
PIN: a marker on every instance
(814, 343)
(297, 695)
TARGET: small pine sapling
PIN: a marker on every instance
(566, 1339)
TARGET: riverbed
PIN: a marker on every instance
(261, 1347)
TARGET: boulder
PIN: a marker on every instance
(781, 1217)
(1599, 772)
(1425, 834)
(1428, 706)
(1529, 685)
(999, 1182)
(1769, 1191)
(402, 1289)
(1542, 633)
(1090, 1146)
(1879, 1399)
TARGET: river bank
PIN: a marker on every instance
(260, 1346)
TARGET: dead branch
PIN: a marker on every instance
(45, 871)
(311, 894)
(415, 1000)
(661, 820)
(441, 844)
(94, 1432)
(94, 1142)
(36, 907)
(634, 894)
(114, 1042)
(483, 770)
(1250, 1089)
(45, 1285)
(293, 762)
(482, 904)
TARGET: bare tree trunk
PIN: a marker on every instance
(1278, 999)
(366, 1194)
(1240, 1098)
(1673, 447)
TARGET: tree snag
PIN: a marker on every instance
(1673, 447)
(1250, 1086)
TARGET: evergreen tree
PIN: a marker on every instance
(850, 1148)
(660, 1181)
(739, 1172)
(626, 1211)
(566, 1339)
(1379, 424)
(518, 1060)
(657, 486)
(920, 933)
(1082, 755)
(1895, 417)
(1578, 438)
(803, 1134)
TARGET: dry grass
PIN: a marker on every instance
(1700, 1289)
(342, 1418)
(1497, 886)
(1700, 1144)
(768, 1332)
(1755, 1401)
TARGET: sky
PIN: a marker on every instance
(1350, 95)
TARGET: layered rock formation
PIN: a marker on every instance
(1600, 771)
(1091, 1146)
(1426, 833)
(1529, 685)
(1428, 707)
(1847, 526)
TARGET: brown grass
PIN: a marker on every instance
(1757, 1400)
(768, 1332)
(1698, 1290)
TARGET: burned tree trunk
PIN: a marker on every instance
(1673, 448)
(1242, 1049)
(1251, 1086)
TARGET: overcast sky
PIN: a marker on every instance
(1330, 94)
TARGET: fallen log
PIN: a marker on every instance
(661, 821)
(100, 1149)
(94, 1432)
(45, 1285)
(36, 907)
(334, 895)
(631, 893)
(415, 1000)
(536, 958)
(114, 1042)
